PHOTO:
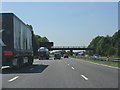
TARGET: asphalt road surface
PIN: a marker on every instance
(64, 73)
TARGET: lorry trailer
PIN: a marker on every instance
(18, 40)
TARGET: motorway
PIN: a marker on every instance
(64, 73)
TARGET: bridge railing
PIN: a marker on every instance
(69, 47)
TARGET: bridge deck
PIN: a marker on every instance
(70, 48)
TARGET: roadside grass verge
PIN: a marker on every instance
(110, 63)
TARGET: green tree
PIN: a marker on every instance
(36, 41)
(30, 26)
(106, 45)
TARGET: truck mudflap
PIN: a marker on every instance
(6, 61)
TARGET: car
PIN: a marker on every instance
(57, 56)
(96, 56)
(66, 56)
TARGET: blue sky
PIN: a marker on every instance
(67, 23)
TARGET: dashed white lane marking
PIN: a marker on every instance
(13, 79)
(73, 68)
(31, 68)
(84, 77)
(68, 64)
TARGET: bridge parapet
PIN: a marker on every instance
(69, 47)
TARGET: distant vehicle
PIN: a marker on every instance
(66, 56)
(57, 56)
(81, 54)
(74, 55)
(43, 53)
(17, 41)
(86, 55)
(96, 55)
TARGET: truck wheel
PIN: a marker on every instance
(17, 63)
(13, 63)
(47, 58)
(30, 60)
(20, 62)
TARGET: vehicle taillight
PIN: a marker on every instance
(8, 53)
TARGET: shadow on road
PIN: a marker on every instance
(45, 59)
(36, 68)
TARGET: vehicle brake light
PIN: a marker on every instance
(8, 53)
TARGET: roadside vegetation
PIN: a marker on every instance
(108, 46)
(36, 41)
(95, 60)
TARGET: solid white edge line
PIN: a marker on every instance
(68, 64)
(98, 64)
(102, 65)
(84, 77)
(13, 79)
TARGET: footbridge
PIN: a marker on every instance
(71, 48)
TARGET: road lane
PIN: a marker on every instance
(100, 76)
(57, 75)
(60, 74)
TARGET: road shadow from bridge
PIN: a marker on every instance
(45, 59)
(36, 68)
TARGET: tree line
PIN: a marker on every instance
(106, 45)
(37, 39)
(36, 43)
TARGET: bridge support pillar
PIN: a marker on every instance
(71, 52)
